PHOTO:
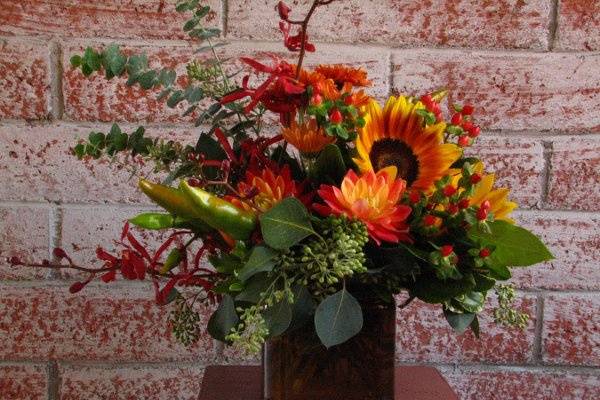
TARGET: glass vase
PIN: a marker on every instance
(296, 366)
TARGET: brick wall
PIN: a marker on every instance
(533, 67)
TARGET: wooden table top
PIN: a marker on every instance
(244, 383)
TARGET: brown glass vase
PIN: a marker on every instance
(296, 366)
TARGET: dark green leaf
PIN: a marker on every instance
(338, 318)
(515, 246)
(176, 98)
(79, 150)
(483, 283)
(114, 60)
(97, 139)
(76, 61)
(329, 168)
(173, 259)
(432, 290)
(167, 77)
(459, 322)
(304, 307)
(261, 260)
(191, 24)
(223, 320)
(475, 326)
(92, 59)
(278, 317)
(147, 79)
(286, 224)
(254, 287)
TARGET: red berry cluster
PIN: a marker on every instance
(463, 119)
(432, 106)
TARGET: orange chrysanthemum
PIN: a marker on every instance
(320, 84)
(373, 199)
(396, 136)
(265, 189)
(307, 137)
(342, 74)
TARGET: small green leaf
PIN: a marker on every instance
(515, 246)
(260, 260)
(329, 168)
(92, 59)
(459, 322)
(223, 320)
(176, 98)
(254, 287)
(191, 24)
(304, 307)
(76, 61)
(286, 224)
(114, 60)
(338, 318)
(278, 317)
(147, 79)
(97, 139)
(432, 290)
(79, 150)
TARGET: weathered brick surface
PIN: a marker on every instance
(24, 79)
(518, 164)
(168, 382)
(575, 174)
(571, 333)
(95, 99)
(464, 23)
(572, 239)
(520, 91)
(519, 384)
(423, 335)
(148, 19)
(24, 233)
(578, 25)
(23, 382)
(36, 164)
(100, 323)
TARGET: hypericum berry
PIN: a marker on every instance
(456, 119)
(475, 178)
(486, 205)
(414, 197)
(464, 141)
(349, 100)
(452, 208)
(427, 100)
(464, 203)
(482, 213)
(446, 250)
(474, 131)
(317, 100)
(429, 220)
(467, 109)
(467, 125)
(449, 190)
(485, 252)
(335, 116)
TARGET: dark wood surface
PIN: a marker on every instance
(244, 383)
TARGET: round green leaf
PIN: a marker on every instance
(338, 318)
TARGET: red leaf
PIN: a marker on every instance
(231, 97)
(76, 287)
(225, 145)
(164, 292)
(257, 65)
(284, 10)
(162, 249)
(138, 247)
(104, 256)
(125, 230)
(109, 276)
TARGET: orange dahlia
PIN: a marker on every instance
(342, 74)
(307, 137)
(261, 191)
(396, 136)
(373, 199)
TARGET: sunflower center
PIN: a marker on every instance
(386, 152)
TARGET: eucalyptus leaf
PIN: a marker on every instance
(260, 260)
(278, 317)
(223, 319)
(338, 318)
(459, 322)
(286, 224)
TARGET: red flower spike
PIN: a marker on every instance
(467, 109)
(485, 252)
(464, 141)
(283, 10)
(446, 250)
(475, 179)
(449, 190)
(456, 119)
(336, 116)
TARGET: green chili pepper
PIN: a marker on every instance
(173, 260)
(219, 213)
(174, 201)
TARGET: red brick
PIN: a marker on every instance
(519, 384)
(24, 79)
(512, 91)
(95, 99)
(168, 382)
(148, 19)
(578, 25)
(518, 164)
(99, 324)
(572, 239)
(575, 174)
(464, 23)
(24, 233)
(37, 165)
(423, 335)
(23, 382)
(571, 333)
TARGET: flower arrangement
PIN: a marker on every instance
(348, 196)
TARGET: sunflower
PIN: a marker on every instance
(500, 206)
(307, 137)
(396, 136)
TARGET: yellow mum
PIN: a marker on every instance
(396, 136)
(307, 137)
(500, 206)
